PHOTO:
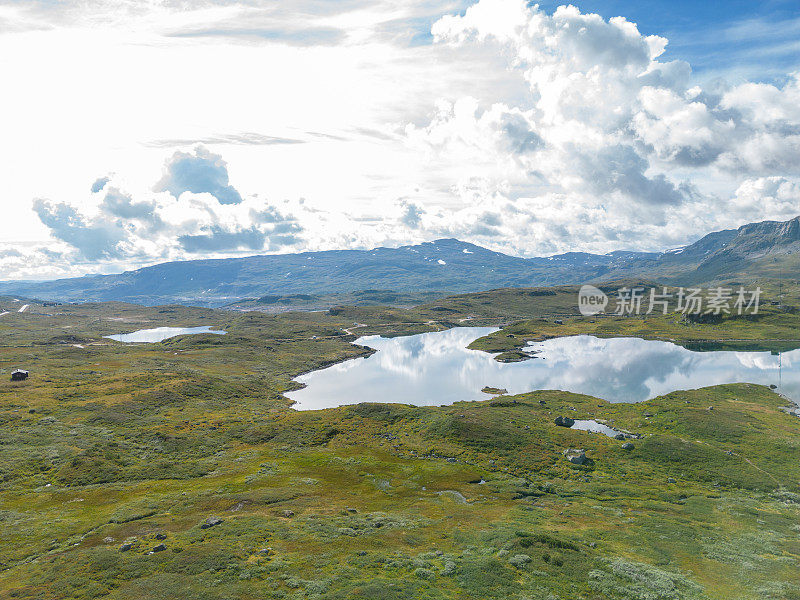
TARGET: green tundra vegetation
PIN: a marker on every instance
(179, 470)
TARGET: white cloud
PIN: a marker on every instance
(623, 149)
(368, 123)
(777, 198)
(185, 219)
(198, 172)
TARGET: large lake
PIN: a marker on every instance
(437, 368)
(158, 334)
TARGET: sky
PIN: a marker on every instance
(137, 132)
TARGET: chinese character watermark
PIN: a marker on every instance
(687, 301)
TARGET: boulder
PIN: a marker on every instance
(671, 480)
(159, 548)
(126, 546)
(161, 536)
(288, 513)
(627, 446)
(564, 421)
(576, 456)
(210, 522)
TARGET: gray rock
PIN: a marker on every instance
(576, 456)
(288, 513)
(564, 421)
(161, 536)
(159, 548)
(210, 522)
(627, 446)
(126, 546)
(671, 480)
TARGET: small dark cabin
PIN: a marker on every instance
(19, 375)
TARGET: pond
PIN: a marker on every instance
(159, 334)
(433, 369)
(597, 427)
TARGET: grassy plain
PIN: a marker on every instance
(107, 444)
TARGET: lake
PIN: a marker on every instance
(433, 369)
(159, 334)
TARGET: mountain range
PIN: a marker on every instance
(766, 249)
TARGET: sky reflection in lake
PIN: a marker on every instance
(159, 334)
(437, 368)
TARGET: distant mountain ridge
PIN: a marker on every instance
(767, 249)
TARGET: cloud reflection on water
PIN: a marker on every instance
(437, 369)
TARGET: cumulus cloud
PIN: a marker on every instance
(411, 215)
(94, 239)
(99, 184)
(198, 172)
(777, 197)
(122, 206)
(527, 131)
(117, 227)
(269, 214)
(609, 142)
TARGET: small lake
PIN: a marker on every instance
(596, 427)
(159, 334)
(433, 369)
